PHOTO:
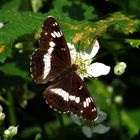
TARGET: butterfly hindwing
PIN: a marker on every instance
(69, 94)
(83, 104)
(52, 55)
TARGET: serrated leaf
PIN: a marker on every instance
(17, 25)
(86, 32)
(133, 42)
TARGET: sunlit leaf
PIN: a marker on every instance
(133, 42)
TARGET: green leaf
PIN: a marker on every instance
(100, 129)
(16, 25)
(21, 25)
(38, 137)
(29, 131)
(101, 116)
(70, 9)
(87, 131)
(12, 5)
(12, 69)
(131, 121)
(133, 42)
(100, 93)
(76, 119)
(134, 116)
(86, 32)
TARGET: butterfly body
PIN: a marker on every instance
(51, 63)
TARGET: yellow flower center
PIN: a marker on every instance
(82, 63)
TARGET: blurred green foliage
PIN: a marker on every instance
(116, 26)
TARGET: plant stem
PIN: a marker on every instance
(61, 121)
(11, 109)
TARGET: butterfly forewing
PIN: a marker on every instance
(52, 56)
(51, 63)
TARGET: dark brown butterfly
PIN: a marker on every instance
(51, 63)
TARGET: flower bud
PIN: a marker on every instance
(1, 109)
(120, 67)
(10, 132)
(2, 116)
(118, 99)
(1, 24)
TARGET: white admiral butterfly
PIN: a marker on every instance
(51, 63)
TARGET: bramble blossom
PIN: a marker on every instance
(84, 62)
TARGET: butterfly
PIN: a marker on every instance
(51, 63)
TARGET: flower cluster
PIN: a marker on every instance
(11, 131)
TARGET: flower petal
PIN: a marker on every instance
(71, 46)
(72, 50)
(98, 69)
(95, 49)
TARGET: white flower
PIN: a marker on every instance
(83, 61)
